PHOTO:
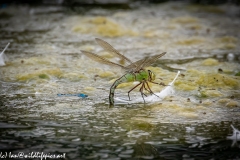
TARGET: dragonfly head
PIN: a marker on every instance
(151, 75)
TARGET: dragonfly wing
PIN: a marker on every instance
(144, 62)
(106, 46)
(140, 66)
(100, 59)
(152, 59)
(134, 66)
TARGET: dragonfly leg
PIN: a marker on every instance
(141, 90)
(133, 89)
(144, 87)
(150, 90)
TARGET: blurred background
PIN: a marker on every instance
(120, 3)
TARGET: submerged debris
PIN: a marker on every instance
(69, 95)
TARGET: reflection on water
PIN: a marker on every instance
(91, 141)
(235, 136)
(45, 60)
(3, 56)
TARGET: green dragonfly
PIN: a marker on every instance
(134, 71)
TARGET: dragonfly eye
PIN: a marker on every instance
(151, 75)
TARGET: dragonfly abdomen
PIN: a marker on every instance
(129, 77)
(125, 78)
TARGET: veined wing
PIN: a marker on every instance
(136, 64)
(152, 59)
(106, 46)
(144, 62)
(100, 59)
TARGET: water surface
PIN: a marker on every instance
(44, 59)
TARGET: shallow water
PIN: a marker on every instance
(44, 59)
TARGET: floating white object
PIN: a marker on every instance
(168, 90)
(3, 56)
(236, 135)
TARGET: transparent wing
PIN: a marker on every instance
(106, 46)
(100, 59)
(136, 64)
(144, 62)
(152, 59)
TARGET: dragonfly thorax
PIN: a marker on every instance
(141, 75)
